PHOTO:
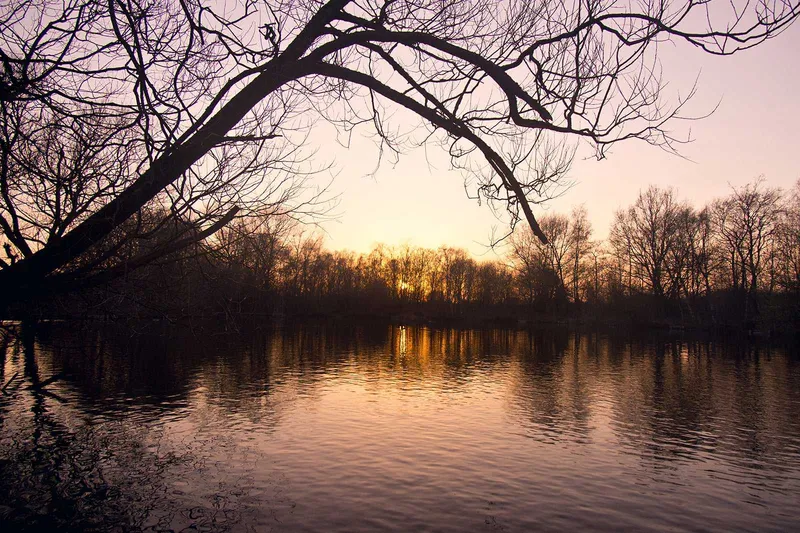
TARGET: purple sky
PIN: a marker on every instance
(755, 131)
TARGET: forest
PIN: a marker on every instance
(733, 263)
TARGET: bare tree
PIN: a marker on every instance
(746, 222)
(58, 169)
(215, 95)
(788, 243)
(556, 251)
(580, 232)
(257, 246)
(648, 236)
(540, 266)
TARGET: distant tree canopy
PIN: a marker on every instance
(731, 263)
(745, 244)
(131, 130)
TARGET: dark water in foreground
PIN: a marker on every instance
(395, 429)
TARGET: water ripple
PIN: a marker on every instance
(348, 429)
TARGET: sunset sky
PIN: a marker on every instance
(755, 131)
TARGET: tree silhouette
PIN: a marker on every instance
(215, 103)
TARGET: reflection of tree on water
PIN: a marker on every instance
(669, 414)
(64, 469)
(549, 384)
(759, 399)
(677, 401)
(54, 475)
(664, 401)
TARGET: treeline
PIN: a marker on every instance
(734, 263)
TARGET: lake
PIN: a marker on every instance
(336, 428)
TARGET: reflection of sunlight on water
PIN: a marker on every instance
(403, 341)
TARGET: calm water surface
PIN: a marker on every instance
(386, 428)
